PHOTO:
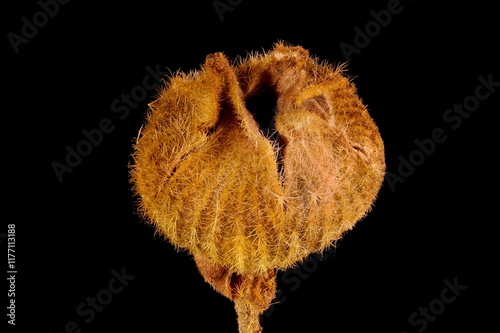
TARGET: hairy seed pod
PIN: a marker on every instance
(246, 202)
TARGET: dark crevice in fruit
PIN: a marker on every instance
(262, 105)
(235, 282)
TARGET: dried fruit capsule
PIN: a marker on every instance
(244, 202)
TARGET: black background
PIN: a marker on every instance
(438, 224)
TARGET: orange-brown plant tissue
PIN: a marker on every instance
(246, 202)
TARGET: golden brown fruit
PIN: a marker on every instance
(245, 203)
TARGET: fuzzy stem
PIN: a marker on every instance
(248, 317)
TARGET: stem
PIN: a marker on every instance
(248, 317)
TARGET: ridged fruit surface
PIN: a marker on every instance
(244, 201)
